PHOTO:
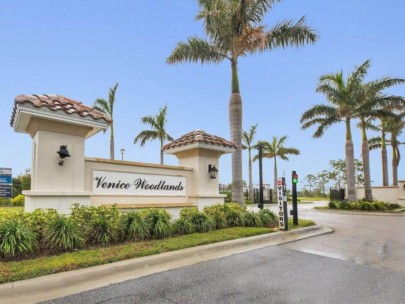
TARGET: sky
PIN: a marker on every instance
(79, 49)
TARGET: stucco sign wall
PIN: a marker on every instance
(124, 183)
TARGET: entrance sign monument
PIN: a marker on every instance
(54, 121)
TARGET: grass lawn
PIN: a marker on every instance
(11, 271)
(312, 199)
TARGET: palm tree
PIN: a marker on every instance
(158, 130)
(247, 138)
(373, 104)
(395, 127)
(344, 98)
(108, 107)
(276, 149)
(388, 123)
(234, 29)
(381, 142)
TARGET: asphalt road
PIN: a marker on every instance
(373, 239)
(270, 275)
(362, 262)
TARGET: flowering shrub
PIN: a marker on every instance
(18, 200)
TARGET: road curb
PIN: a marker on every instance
(70, 282)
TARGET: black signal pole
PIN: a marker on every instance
(260, 148)
(294, 198)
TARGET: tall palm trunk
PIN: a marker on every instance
(235, 121)
(394, 165)
(365, 152)
(275, 179)
(384, 159)
(350, 168)
(112, 157)
(251, 195)
(161, 152)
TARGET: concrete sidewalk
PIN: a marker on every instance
(71, 282)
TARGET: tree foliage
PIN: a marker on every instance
(234, 29)
(157, 130)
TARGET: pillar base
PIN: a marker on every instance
(60, 201)
(206, 200)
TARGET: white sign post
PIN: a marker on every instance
(282, 204)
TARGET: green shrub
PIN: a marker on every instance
(228, 197)
(219, 220)
(5, 201)
(333, 205)
(16, 239)
(253, 219)
(345, 205)
(187, 213)
(393, 206)
(267, 217)
(19, 200)
(202, 222)
(135, 226)
(234, 218)
(234, 206)
(380, 206)
(367, 206)
(63, 234)
(38, 219)
(159, 220)
(217, 214)
(182, 226)
(84, 215)
(102, 231)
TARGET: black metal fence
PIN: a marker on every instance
(267, 195)
(336, 194)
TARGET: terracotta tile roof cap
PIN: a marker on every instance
(59, 103)
(199, 136)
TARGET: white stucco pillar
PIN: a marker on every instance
(198, 150)
(53, 121)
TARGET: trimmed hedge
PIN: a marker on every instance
(363, 205)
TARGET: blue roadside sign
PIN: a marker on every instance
(5, 182)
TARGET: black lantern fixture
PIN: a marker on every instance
(63, 152)
(213, 171)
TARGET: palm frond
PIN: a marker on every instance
(145, 136)
(195, 50)
(102, 105)
(111, 98)
(319, 111)
(288, 33)
(248, 136)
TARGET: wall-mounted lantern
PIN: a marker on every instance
(63, 152)
(213, 171)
